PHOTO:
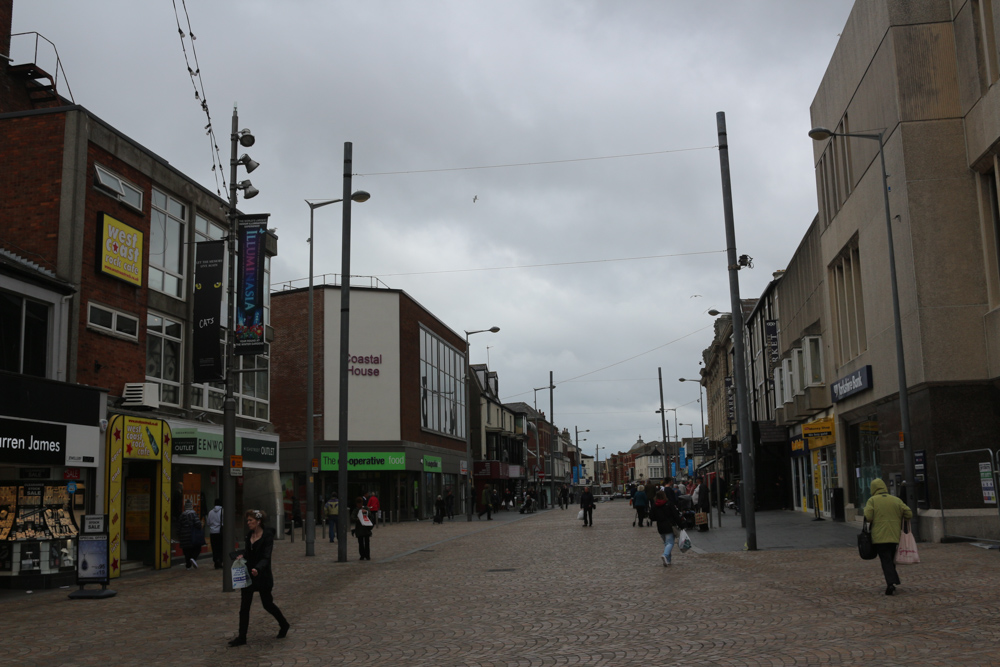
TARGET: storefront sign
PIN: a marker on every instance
(34, 473)
(432, 463)
(265, 451)
(207, 310)
(771, 343)
(730, 399)
(71, 473)
(250, 294)
(32, 443)
(364, 461)
(858, 381)
(364, 365)
(798, 445)
(820, 433)
(202, 444)
(120, 251)
(142, 437)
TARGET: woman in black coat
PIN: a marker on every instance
(361, 531)
(257, 553)
(587, 505)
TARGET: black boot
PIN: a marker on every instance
(239, 640)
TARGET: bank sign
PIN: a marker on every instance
(858, 381)
(364, 461)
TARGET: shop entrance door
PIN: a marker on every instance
(139, 544)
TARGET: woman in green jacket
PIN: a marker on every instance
(886, 513)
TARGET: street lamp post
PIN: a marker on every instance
(597, 458)
(358, 196)
(230, 520)
(663, 412)
(821, 134)
(468, 422)
(577, 434)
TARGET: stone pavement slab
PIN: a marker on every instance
(535, 590)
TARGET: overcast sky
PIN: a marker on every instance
(616, 261)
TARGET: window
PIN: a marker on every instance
(788, 384)
(117, 187)
(849, 305)
(798, 370)
(24, 335)
(163, 356)
(166, 248)
(252, 391)
(779, 387)
(111, 321)
(442, 386)
(812, 346)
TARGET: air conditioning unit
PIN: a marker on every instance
(141, 395)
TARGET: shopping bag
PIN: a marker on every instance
(685, 541)
(241, 576)
(579, 515)
(197, 536)
(865, 547)
(906, 552)
(701, 518)
(363, 518)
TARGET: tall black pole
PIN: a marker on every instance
(663, 419)
(748, 484)
(346, 504)
(552, 446)
(229, 520)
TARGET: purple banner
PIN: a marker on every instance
(250, 294)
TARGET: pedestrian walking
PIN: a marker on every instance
(587, 505)
(363, 529)
(702, 502)
(214, 521)
(188, 532)
(668, 523)
(332, 511)
(374, 508)
(487, 499)
(639, 503)
(439, 510)
(449, 504)
(886, 512)
(257, 554)
(564, 497)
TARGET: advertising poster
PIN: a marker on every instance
(208, 275)
(113, 498)
(142, 438)
(192, 492)
(137, 508)
(120, 250)
(250, 287)
(92, 558)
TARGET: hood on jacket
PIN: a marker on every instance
(660, 502)
(878, 486)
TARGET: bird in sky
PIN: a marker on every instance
(693, 296)
(475, 198)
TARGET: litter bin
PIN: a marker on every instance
(838, 505)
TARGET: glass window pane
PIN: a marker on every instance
(171, 360)
(248, 384)
(154, 356)
(171, 285)
(36, 333)
(155, 279)
(169, 394)
(173, 249)
(108, 180)
(216, 232)
(247, 408)
(154, 322)
(159, 200)
(127, 325)
(132, 195)
(216, 400)
(201, 225)
(261, 410)
(102, 318)
(176, 209)
(172, 328)
(197, 397)
(157, 236)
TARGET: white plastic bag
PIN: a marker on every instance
(363, 518)
(579, 515)
(685, 541)
(241, 575)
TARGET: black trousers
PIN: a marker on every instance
(488, 512)
(246, 600)
(588, 516)
(887, 554)
(364, 547)
(216, 540)
(190, 554)
(640, 511)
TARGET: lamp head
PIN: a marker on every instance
(249, 191)
(494, 329)
(360, 196)
(248, 162)
(820, 133)
(713, 312)
(246, 138)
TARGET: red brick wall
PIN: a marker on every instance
(121, 360)
(411, 316)
(290, 318)
(30, 186)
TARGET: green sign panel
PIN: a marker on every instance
(364, 461)
(432, 464)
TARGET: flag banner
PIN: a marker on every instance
(250, 294)
(207, 350)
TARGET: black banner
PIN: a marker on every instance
(259, 450)
(250, 296)
(208, 269)
(32, 443)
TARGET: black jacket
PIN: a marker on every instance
(258, 557)
(587, 500)
(666, 517)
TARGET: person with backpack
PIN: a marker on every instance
(668, 523)
(363, 529)
(332, 511)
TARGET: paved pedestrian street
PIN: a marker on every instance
(541, 589)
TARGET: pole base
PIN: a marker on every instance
(92, 593)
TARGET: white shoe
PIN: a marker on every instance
(194, 563)
(665, 562)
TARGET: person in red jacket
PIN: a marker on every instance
(373, 507)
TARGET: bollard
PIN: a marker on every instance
(816, 508)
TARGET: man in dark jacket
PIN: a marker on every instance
(587, 505)
(639, 503)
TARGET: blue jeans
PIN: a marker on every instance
(668, 544)
(331, 521)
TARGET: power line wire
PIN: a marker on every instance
(541, 162)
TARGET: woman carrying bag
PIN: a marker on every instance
(668, 520)
(257, 553)
(886, 513)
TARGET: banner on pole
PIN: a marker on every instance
(250, 294)
(207, 350)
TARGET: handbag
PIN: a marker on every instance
(700, 518)
(197, 536)
(865, 547)
(240, 574)
(906, 551)
(579, 515)
(685, 541)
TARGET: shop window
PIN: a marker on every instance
(24, 335)
(163, 356)
(117, 187)
(812, 347)
(166, 247)
(442, 386)
(108, 320)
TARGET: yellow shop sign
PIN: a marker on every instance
(120, 250)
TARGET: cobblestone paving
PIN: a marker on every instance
(534, 590)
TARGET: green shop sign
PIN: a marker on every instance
(432, 464)
(364, 461)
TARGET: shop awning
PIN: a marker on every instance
(707, 463)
